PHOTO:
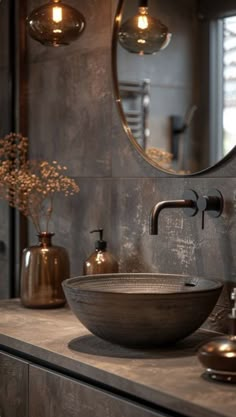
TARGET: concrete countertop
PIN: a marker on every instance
(170, 378)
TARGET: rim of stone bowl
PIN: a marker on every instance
(190, 284)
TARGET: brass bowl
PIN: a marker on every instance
(141, 310)
(218, 357)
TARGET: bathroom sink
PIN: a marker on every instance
(141, 310)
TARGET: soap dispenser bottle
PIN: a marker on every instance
(101, 261)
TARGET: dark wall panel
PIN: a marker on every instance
(5, 128)
(73, 119)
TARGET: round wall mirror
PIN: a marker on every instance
(174, 67)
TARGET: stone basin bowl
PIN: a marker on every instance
(141, 310)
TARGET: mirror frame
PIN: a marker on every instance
(116, 27)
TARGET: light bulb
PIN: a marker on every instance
(142, 18)
(143, 34)
(57, 14)
(55, 24)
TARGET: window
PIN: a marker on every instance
(229, 83)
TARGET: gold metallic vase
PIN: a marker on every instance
(43, 269)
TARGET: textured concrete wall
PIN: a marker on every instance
(73, 119)
(5, 126)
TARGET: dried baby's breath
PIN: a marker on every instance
(31, 186)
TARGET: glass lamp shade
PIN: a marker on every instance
(143, 34)
(55, 24)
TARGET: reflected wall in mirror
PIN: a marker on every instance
(179, 104)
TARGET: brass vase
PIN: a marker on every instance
(43, 269)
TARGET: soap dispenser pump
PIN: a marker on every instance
(219, 355)
(101, 261)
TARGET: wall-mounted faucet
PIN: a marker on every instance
(191, 203)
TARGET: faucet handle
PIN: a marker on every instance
(232, 316)
(213, 203)
(233, 298)
(233, 295)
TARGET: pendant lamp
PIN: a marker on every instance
(55, 24)
(144, 34)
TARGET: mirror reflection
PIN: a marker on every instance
(179, 101)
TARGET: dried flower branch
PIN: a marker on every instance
(31, 186)
(159, 155)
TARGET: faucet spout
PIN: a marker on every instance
(156, 210)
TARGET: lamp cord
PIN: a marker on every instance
(143, 3)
